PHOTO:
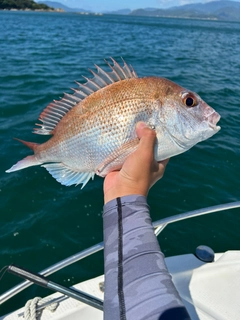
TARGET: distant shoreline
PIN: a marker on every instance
(39, 10)
(217, 10)
(101, 14)
(52, 10)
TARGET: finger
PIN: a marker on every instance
(164, 162)
(146, 135)
(162, 167)
(159, 170)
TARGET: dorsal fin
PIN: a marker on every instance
(57, 109)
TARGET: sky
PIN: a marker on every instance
(111, 5)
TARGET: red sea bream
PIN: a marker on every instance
(93, 129)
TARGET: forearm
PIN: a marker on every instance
(137, 282)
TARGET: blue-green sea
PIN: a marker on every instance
(41, 54)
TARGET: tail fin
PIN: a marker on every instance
(28, 161)
(31, 145)
(24, 163)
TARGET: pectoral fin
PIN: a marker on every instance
(116, 159)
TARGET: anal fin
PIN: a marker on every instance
(67, 176)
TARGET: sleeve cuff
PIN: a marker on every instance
(137, 200)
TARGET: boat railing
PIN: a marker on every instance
(158, 225)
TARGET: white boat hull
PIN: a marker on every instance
(208, 290)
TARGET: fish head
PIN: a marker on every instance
(186, 120)
(197, 120)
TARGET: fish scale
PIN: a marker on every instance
(93, 129)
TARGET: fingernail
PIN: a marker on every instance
(141, 125)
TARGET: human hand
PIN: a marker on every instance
(139, 172)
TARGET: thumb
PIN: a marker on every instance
(146, 135)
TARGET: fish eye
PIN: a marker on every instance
(189, 100)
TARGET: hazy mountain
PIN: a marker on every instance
(227, 10)
(211, 7)
(218, 10)
(58, 5)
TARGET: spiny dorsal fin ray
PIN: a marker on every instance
(57, 109)
(99, 80)
(120, 71)
(104, 75)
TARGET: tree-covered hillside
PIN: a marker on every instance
(22, 4)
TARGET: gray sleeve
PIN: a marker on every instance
(137, 282)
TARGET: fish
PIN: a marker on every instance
(93, 128)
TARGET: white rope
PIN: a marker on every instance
(31, 312)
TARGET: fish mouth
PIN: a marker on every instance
(212, 120)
